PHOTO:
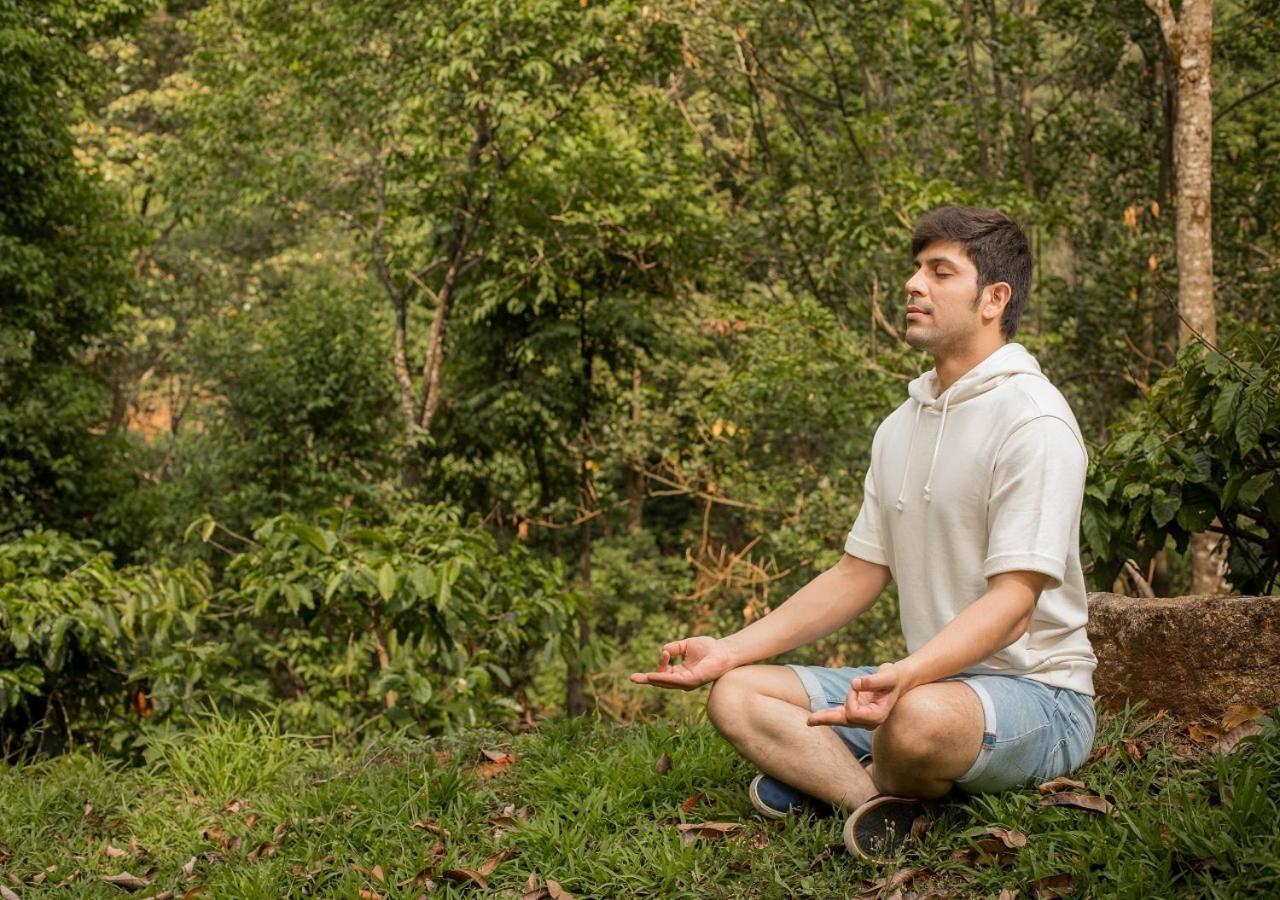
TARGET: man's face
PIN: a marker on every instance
(943, 299)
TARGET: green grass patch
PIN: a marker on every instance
(245, 811)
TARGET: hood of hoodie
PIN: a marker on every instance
(1009, 360)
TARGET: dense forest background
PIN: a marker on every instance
(421, 364)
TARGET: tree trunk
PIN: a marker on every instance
(1190, 42)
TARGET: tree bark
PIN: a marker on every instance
(1190, 42)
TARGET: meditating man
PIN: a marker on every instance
(972, 505)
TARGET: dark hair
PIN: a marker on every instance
(994, 243)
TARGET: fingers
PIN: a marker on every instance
(885, 680)
(833, 716)
(669, 679)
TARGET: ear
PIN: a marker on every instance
(998, 295)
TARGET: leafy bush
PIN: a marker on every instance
(334, 625)
(1201, 453)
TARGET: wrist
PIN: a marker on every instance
(910, 673)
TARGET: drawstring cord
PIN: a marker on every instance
(911, 445)
(942, 426)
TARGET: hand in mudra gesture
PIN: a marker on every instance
(701, 659)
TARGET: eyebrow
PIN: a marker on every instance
(935, 261)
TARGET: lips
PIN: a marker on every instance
(915, 311)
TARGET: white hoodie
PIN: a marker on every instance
(986, 478)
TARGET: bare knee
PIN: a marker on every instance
(910, 744)
(730, 696)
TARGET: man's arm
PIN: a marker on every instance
(989, 624)
(826, 603)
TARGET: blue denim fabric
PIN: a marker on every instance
(1032, 732)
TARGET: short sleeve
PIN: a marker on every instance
(1033, 512)
(865, 540)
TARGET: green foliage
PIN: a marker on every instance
(335, 624)
(63, 266)
(340, 616)
(1200, 454)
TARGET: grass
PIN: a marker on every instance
(592, 813)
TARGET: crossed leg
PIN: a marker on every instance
(930, 739)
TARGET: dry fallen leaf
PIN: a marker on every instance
(234, 807)
(195, 892)
(433, 827)
(465, 875)
(1201, 734)
(1010, 837)
(265, 850)
(115, 852)
(377, 873)
(1080, 801)
(6, 894)
(556, 892)
(1061, 885)
(1232, 739)
(189, 868)
(1134, 749)
(893, 884)
(688, 805)
(1239, 713)
(663, 765)
(710, 831)
(163, 895)
(369, 895)
(494, 766)
(6, 852)
(127, 880)
(486, 868)
(1007, 894)
(251, 820)
(1058, 784)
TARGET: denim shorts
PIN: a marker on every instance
(1032, 732)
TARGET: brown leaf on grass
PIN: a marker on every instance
(1010, 837)
(495, 766)
(487, 867)
(1058, 784)
(893, 884)
(531, 890)
(195, 892)
(377, 874)
(496, 755)
(688, 805)
(710, 831)
(462, 876)
(1134, 749)
(1238, 714)
(163, 895)
(1232, 738)
(663, 765)
(234, 807)
(1203, 734)
(189, 868)
(251, 820)
(557, 892)
(88, 807)
(369, 895)
(6, 894)
(127, 881)
(1079, 801)
(212, 833)
(825, 854)
(1007, 894)
(115, 852)
(265, 850)
(433, 827)
(760, 839)
(137, 849)
(1060, 885)
(6, 852)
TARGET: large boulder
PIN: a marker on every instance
(1194, 656)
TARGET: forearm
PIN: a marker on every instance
(825, 604)
(992, 622)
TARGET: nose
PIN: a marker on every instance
(915, 284)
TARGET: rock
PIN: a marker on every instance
(1194, 656)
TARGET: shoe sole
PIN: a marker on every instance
(879, 837)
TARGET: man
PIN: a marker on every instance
(972, 505)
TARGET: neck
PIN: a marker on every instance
(952, 365)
